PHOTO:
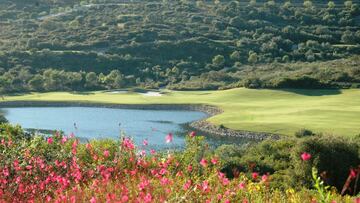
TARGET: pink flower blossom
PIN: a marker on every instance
(264, 177)
(143, 184)
(106, 153)
(128, 144)
(50, 140)
(305, 156)
(214, 161)
(73, 199)
(189, 168)
(169, 138)
(147, 198)
(192, 134)
(145, 142)
(203, 162)
(242, 185)
(164, 181)
(255, 175)
(63, 140)
(353, 173)
(187, 185)
(142, 153)
(124, 198)
(93, 200)
(205, 186)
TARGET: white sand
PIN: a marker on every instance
(118, 92)
(151, 94)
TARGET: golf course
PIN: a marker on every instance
(280, 112)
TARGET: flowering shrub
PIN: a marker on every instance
(60, 169)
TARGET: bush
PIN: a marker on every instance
(252, 83)
(3, 119)
(229, 156)
(304, 82)
(332, 156)
(303, 133)
(270, 157)
(61, 169)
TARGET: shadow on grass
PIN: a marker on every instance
(313, 92)
(17, 94)
(83, 93)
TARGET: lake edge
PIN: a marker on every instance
(201, 125)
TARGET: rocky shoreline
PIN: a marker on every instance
(209, 128)
(200, 125)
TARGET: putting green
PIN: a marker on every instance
(275, 111)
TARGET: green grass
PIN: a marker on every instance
(275, 111)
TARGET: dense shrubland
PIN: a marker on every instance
(182, 44)
(59, 168)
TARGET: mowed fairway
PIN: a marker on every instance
(275, 111)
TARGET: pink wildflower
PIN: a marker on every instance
(205, 186)
(187, 185)
(353, 173)
(264, 177)
(203, 162)
(169, 138)
(106, 153)
(255, 175)
(50, 140)
(148, 198)
(242, 185)
(63, 140)
(214, 161)
(305, 156)
(124, 198)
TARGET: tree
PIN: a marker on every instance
(36, 83)
(310, 56)
(74, 80)
(114, 80)
(253, 57)
(252, 83)
(348, 37)
(308, 4)
(218, 60)
(235, 56)
(4, 84)
(286, 5)
(348, 4)
(252, 3)
(54, 80)
(286, 58)
(331, 5)
(91, 80)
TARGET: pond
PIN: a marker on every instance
(89, 123)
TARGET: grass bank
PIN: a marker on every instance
(273, 111)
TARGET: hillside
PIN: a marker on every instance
(112, 44)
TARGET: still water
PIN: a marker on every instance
(98, 123)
